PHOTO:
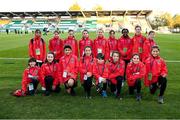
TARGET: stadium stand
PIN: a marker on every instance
(65, 25)
(91, 25)
(90, 20)
(39, 24)
(4, 22)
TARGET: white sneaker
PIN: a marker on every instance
(122, 83)
(160, 100)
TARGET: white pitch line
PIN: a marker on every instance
(173, 61)
(2, 58)
(13, 58)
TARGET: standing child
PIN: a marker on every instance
(112, 44)
(30, 80)
(148, 44)
(116, 73)
(156, 73)
(138, 41)
(85, 41)
(50, 75)
(56, 46)
(86, 70)
(37, 48)
(69, 70)
(125, 45)
(71, 41)
(100, 45)
(100, 72)
(135, 73)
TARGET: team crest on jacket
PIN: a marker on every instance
(141, 41)
(88, 42)
(41, 43)
(36, 72)
(58, 42)
(103, 42)
(158, 61)
(55, 68)
(129, 41)
(72, 60)
(138, 69)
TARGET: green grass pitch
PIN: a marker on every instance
(64, 106)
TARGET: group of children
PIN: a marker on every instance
(109, 61)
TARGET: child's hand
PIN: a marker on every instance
(43, 88)
(53, 87)
(164, 75)
(136, 73)
(89, 74)
(55, 52)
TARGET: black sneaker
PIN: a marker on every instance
(118, 96)
(73, 92)
(138, 98)
(46, 93)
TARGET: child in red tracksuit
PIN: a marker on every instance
(112, 44)
(156, 73)
(100, 72)
(85, 41)
(125, 45)
(37, 48)
(30, 80)
(86, 70)
(50, 75)
(138, 41)
(100, 45)
(135, 73)
(148, 44)
(56, 46)
(69, 70)
(116, 73)
(71, 41)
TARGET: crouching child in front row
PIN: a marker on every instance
(69, 70)
(30, 80)
(86, 71)
(116, 74)
(135, 73)
(100, 72)
(156, 73)
(50, 75)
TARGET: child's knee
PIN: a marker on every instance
(70, 82)
(104, 81)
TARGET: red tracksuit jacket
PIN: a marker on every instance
(100, 46)
(125, 46)
(147, 48)
(100, 70)
(69, 64)
(115, 70)
(134, 72)
(51, 69)
(85, 65)
(112, 44)
(34, 71)
(37, 49)
(73, 43)
(155, 67)
(83, 43)
(56, 45)
(138, 42)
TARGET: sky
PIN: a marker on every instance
(171, 6)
